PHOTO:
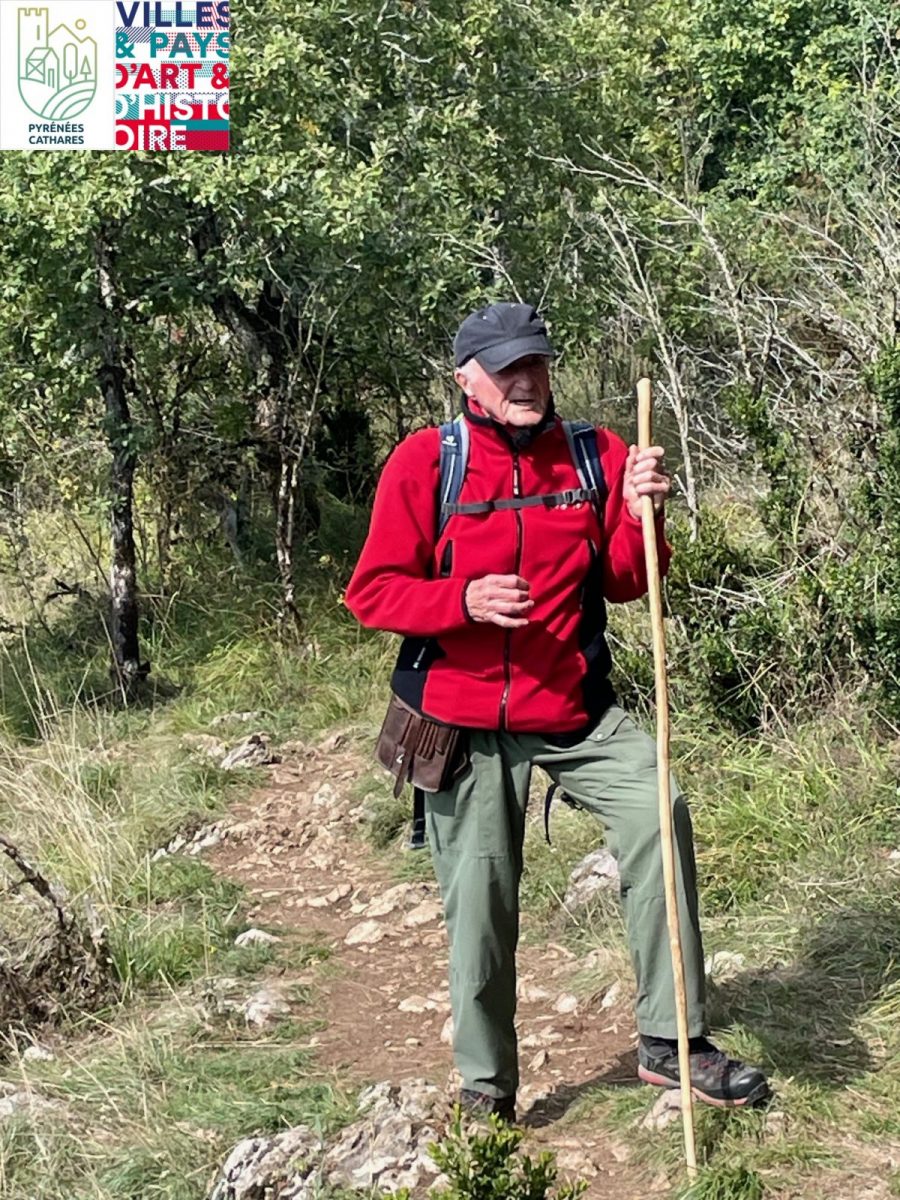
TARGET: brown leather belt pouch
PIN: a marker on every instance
(420, 751)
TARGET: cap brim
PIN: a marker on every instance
(495, 358)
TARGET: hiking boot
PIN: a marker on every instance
(477, 1104)
(715, 1078)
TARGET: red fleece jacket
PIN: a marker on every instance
(548, 676)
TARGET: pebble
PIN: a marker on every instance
(567, 1003)
(613, 995)
(367, 933)
(533, 995)
(423, 914)
(724, 963)
(540, 1060)
(255, 937)
(417, 1004)
(37, 1053)
(666, 1109)
(447, 1032)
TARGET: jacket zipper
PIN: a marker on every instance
(507, 645)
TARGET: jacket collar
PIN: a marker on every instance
(520, 440)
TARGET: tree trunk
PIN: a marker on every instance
(285, 517)
(123, 624)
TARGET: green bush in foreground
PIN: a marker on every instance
(488, 1166)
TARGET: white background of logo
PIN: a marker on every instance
(99, 118)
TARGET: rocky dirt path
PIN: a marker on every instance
(297, 847)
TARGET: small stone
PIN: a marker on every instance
(37, 1053)
(666, 1109)
(597, 872)
(390, 900)
(533, 995)
(256, 937)
(366, 933)
(612, 996)
(540, 1060)
(253, 751)
(416, 1004)
(447, 1032)
(546, 1038)
(205, 744)
(724, 964)
(423, 914)
(265, 1007)
(567, 1003)
(620, 1152)
(775, 1122)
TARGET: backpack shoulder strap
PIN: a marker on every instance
(582, 439)
(454, 457)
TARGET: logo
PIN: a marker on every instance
(57, 65)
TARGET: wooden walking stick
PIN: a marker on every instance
(667, 833)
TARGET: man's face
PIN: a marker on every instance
(518, 395)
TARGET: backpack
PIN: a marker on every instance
(582, 439)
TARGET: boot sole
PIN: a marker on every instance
(753, 1097)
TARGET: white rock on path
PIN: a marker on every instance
(366, 933)
(417, 1004)
(531, 994)
(567, 1003)
(390, 900)
(447, 1032)
(256, 937)
(423, 914)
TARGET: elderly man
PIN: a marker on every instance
(499, 593)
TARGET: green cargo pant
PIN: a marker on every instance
(476, 831)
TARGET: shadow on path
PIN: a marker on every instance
(622, 1072)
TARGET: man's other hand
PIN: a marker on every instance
(645, 475)
(500, 599)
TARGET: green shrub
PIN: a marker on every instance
(488, 1166)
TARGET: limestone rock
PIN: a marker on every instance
(532, 994)
(390, 900)
(423, 914)
(567, 1003)
(256, 937)
(366, 933)
(417, 1004)
(724, 964)
(447, 1032)
(37, 1053)
(612, 995)
(665, 1110)
(253, 751)
(597, 872)
(15, 1100)
(265, 1007)
(385, 1150)
(259, 1167)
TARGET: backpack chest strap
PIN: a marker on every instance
(549, 500)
